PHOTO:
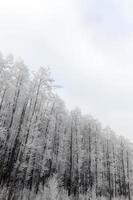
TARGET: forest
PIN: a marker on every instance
(50, 153)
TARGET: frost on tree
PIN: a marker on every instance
(47, 152)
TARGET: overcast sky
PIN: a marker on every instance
(87, 43)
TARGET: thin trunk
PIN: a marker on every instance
(128, 177)
(2, 99)
(71, 164)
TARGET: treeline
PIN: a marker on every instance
(39, 139)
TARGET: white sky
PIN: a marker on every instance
(87, 43)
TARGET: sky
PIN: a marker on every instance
(88, 45)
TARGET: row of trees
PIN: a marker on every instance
(40, 138)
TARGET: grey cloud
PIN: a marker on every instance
(93, 66)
